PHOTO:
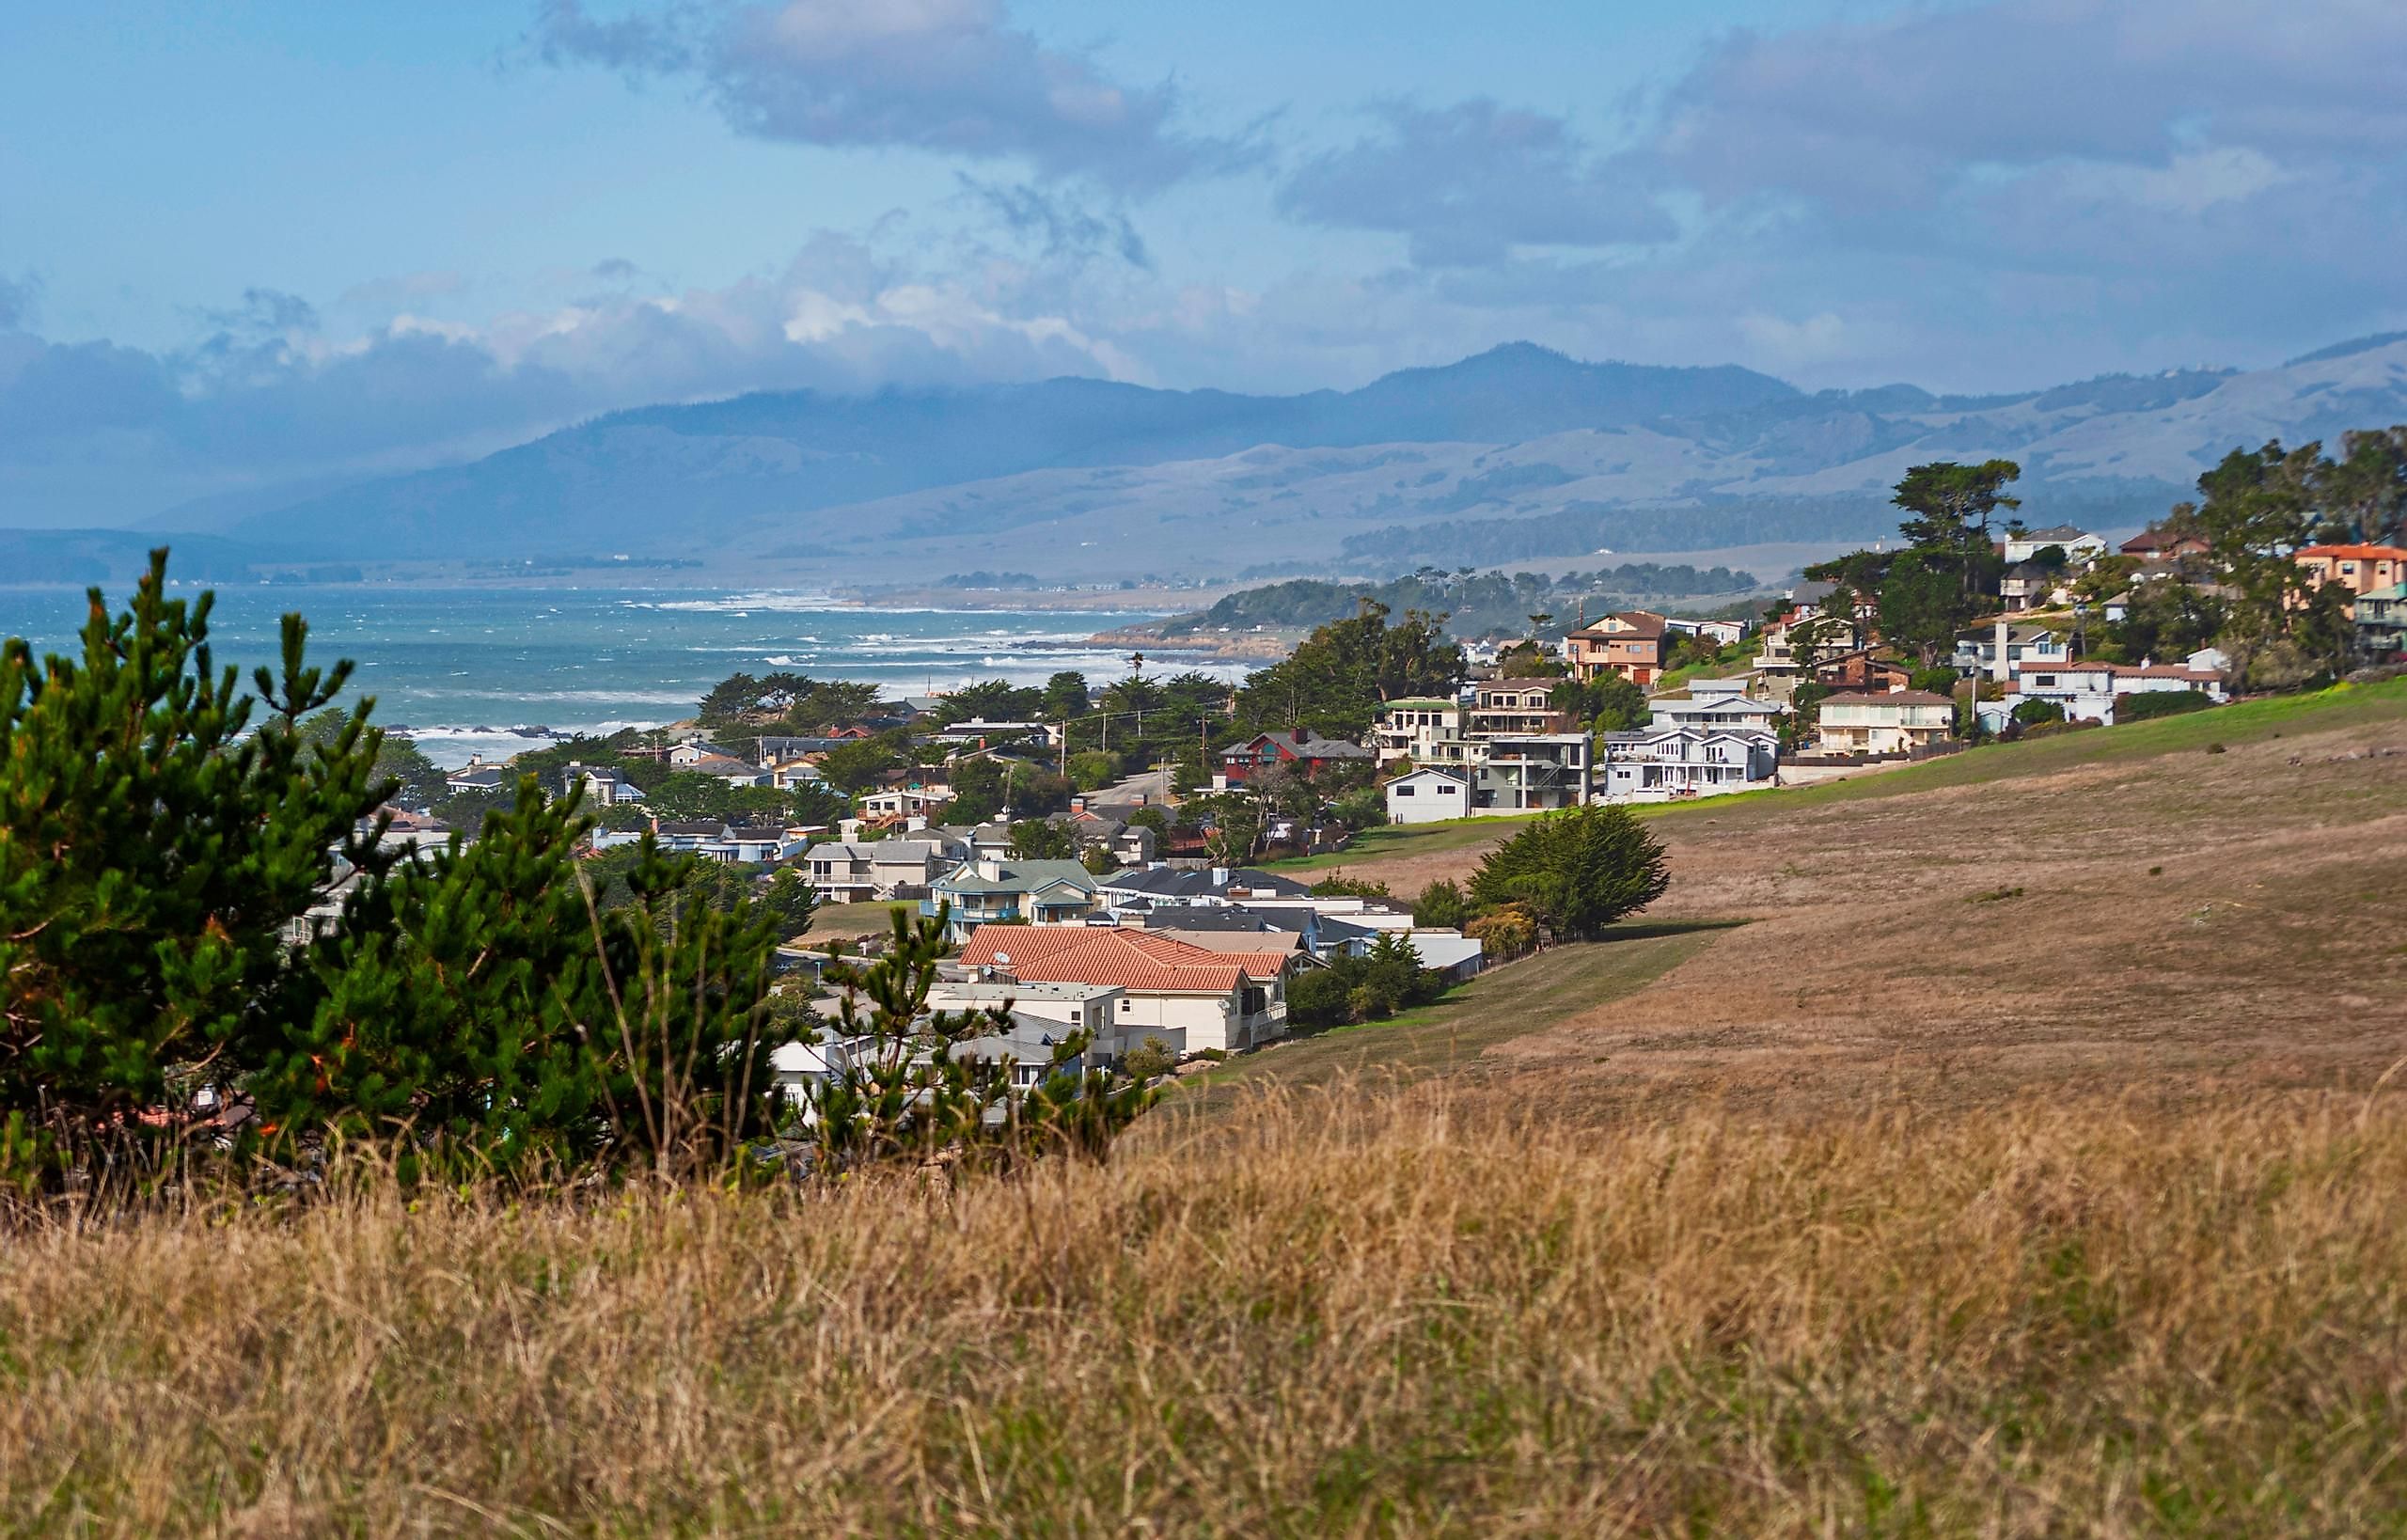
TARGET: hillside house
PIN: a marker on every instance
(915, 801)
(1410, 728)
(1707, 703)
(1302, 750)
(1514, 708)
(1863, 669)
(2079, 545)
(602, 786)
(1897, 722)
(1533, 772)
(1720, 633)
(2087, 691)
(2359, 569)
(1994, 651)
(850, 871)
(993, 888)
(2159, 545)
(477, 775)
(1632, 643)
(1219, 1000)
(2381, 624)
(1429, 796)
(1674, 763)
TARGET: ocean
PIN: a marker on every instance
(467, 670)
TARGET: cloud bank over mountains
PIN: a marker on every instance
(1983, 194)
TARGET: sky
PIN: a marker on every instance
(261, 245)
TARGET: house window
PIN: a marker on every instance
(1125, 1004)
(1446, 790)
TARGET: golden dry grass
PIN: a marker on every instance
(1397, 1313)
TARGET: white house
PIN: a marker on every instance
(1410, 727)
(1712, 703)
(906, 802)
(1672, 763)
(855, 872)
(1900, 722)
(604, 786)
(1429, 796)
(2087, 691)
(2078, 544)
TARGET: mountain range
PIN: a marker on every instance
(1517, 453)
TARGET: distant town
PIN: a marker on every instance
(1106, 858)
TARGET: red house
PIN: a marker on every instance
(1299, 750)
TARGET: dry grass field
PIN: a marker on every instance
(2022, 1165)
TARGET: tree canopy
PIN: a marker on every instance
(1577, 870)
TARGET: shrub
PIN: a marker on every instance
(2031, 712)
(1506, 932)
(1338, 884)
(2154, 704)
(1148, 1060)
(1441, 905)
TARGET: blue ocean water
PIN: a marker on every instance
(461, 668)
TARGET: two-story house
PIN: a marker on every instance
(1633, 644)
(1302, 750)
(993, 888)
(1672, 764)
(602, 786)
(854, 871)
(1897, 722)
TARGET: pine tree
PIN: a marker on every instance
(154, 856)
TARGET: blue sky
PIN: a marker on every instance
(259, 244)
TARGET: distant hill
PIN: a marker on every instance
(1517, 452)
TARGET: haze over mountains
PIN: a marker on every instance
(1517, 453)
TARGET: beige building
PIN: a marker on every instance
(1898, 722)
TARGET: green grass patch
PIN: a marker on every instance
(2247, 721)
(1442, 1038)
(1401, 839)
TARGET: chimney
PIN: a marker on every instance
(1219, 876)
(990, 866)
(1303, 735)
(2000, 670)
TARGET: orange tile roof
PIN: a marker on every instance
(2356, 553)
(1103, 954)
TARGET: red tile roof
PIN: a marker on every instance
(1101, 954)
